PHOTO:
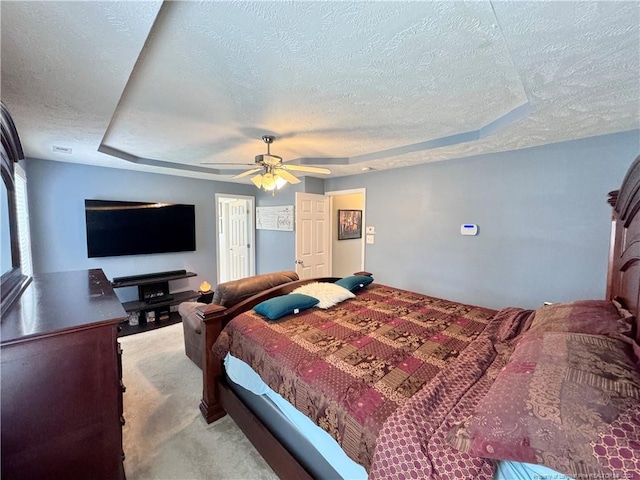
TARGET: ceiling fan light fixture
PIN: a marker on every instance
(276, 175)
(268, 182)
(257, 180)
(269, 171)
(280, 182)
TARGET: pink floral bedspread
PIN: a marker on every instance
(385, 373)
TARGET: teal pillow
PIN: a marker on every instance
(277, 307)
(354, 282)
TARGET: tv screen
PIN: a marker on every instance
(134, 228)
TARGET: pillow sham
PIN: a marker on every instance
(354, 283)
(328, 294)
(564, 400)
(278, 307)
(595, 317)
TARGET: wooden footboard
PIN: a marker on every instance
(214, 318)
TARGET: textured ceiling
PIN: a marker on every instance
(167, 86)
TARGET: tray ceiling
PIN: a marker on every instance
(167, 86)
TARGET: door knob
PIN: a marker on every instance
(299, 262)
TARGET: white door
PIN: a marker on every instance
(236, 237)
(238, 240)
(312, 236)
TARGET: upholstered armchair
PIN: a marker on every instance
(227, 295)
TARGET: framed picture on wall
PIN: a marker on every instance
(349, 224)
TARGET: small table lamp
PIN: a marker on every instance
(206, 294)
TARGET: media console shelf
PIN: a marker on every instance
(148, 278)
(153, 296)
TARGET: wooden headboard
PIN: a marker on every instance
(623, 280)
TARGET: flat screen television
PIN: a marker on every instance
(134, 228)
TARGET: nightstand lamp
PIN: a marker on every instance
(206, 294)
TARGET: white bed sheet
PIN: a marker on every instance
(526, 471)
(242, 374)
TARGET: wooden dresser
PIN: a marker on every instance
(61, 380)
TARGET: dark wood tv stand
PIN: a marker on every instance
(153, 295)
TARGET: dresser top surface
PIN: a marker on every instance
(59, 302)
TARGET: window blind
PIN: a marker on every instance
(22, 213)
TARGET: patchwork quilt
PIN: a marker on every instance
(362, 363)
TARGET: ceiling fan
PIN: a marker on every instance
(273, 173)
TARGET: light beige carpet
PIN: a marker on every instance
(165, 437)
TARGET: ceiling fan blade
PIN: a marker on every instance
(227, 164)
(306, 168)
(287, 176)
(248, 172)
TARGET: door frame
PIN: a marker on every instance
(351, 191)
(251, 231)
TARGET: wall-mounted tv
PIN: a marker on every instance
(134, 228)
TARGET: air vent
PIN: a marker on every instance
(58, 149)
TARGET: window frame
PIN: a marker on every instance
(13, 281)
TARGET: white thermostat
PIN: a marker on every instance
(469, 229)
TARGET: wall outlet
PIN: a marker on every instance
(370, 239)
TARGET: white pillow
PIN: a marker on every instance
(329, 294)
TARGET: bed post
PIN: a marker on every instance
(213, 322)
(624, 259)
(614, 244)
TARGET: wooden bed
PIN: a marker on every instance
(623, 284)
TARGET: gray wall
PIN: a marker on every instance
(56, 204)
(275, 249)
(544, 222)
(542, 213)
